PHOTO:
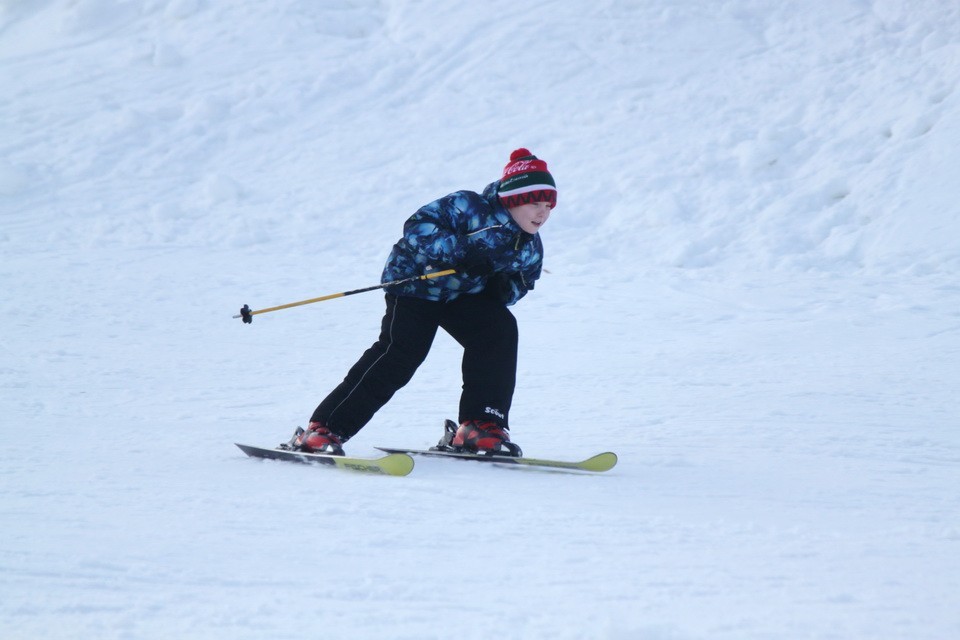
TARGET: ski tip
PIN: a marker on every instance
(396, 464)
(601, 462)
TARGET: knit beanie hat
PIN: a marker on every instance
(526, 180)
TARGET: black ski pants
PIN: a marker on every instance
(482, 325)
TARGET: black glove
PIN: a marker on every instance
(475, 265)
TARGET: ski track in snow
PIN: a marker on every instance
(752, 298)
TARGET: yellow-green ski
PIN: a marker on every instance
(394, 464)
(598, 463)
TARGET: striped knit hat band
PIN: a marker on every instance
(526, 180)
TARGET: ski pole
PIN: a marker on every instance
(247, 315)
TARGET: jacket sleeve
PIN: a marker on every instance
(522, 282)
(510, 287)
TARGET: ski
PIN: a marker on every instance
(598, 463)
(393, 464)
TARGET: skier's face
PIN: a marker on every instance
(531, 216)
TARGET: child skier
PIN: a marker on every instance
(492, 241)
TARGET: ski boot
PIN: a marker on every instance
(480, 437)
(316, 439)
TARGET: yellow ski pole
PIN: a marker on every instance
(247, 315)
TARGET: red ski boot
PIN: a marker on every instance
(318, 439)
(484, 437)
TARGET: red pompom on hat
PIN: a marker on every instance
(526, 180)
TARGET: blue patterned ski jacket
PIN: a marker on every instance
(440, 234)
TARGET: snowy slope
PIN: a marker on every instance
(752, 297)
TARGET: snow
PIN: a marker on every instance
(752, 298)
